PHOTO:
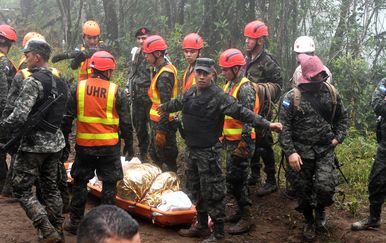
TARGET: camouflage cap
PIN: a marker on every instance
(205, 64)
(37, 46)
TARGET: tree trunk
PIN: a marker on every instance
(337, 40)
(111, 22)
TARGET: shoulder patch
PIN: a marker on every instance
(382, 88)
(286, 103)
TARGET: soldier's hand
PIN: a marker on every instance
(276, 126)
(160, 110)
(295, 161)
(334, 142)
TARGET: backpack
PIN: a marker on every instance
(297, 98)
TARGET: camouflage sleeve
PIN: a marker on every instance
(13, 93)
(122, 105)
(378, 101)
(4, 69)
(340, 122)
(165, 88)
(24, 103)
(231, 107)
(285, 117)
(174, 105)
(247, 98)
(273, 71)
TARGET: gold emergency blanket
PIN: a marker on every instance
(137, 178)
(165, 182)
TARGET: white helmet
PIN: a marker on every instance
(304, 44)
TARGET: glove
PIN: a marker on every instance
(160, 139)
(59, 57)
(241, 150)
(80, 56)
(128, 151)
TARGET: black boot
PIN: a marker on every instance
(373, 221)
(234, 217)
(268, 188)
(198, 230)
(320, 217)
(71, 226)
(309, 227)
(244, 224)
(48, 232)
(217, 234)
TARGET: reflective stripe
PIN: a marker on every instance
(26, 73)
(99, 136)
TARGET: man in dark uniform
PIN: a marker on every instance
(312, 126)
(163, 87)
(7, 72)
(203, 108)
(137, 87)
(377, 178)
(98, 134)
(262, 68)
(40, 149)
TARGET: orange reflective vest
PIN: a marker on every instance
(154, 94)
(233, 128)
(188, 80)
(97, 117)
(84, 71)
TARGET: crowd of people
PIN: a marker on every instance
(154, 106)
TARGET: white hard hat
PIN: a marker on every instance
(304, 44)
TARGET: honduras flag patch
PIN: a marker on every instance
(382, 88)
(286, 103)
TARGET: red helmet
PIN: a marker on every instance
(255, 29)
(102, 61)
(8, 32)
(192, 41)
(154, 43)
(231, 57)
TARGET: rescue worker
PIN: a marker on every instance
(163, 87)
(101, 110)
(7, 72)
(191, 45)
(312, 127)
(377, 181)
(26, 38)
(91, 44)
(203, 109)
(262, 68)
(137, 87)
(305, 45)
(40, 149)
(238, 138)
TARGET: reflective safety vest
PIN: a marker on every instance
(84, 71)
(188, 80)
(233, 128)
(97, 118)
(154, 94)
(26, 73)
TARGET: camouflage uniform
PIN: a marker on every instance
(237, 167)
(203, 118)
(168, 154)
(37, 156)
(264, 69)
(139, 76)
(7, 72)
(104, 159)
(377, 178)
(307, 133)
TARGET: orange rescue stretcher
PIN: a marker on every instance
(156, 216)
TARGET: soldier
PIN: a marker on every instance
(192, 45)
(262, 68)
(203, 108)
(305, 45)
(97, 134)
(377, 181)
(91, 44)
(137, 87)
(238, 138)
(7, 72)
(26, 38)
(163, 87)
(313, 124)
(40, 149)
